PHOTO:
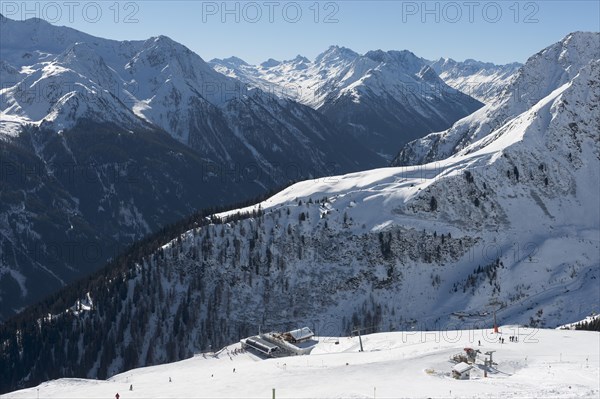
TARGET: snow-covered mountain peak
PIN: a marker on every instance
(84, 58)
(377, 55)
(59, 93)
(335, 55)
(549, 69)
(270, 63)
(301, 59)
(161, 51)
(28, 21)
(405, 60)
(542, 74)
(300, 63)
(394, 92)
(484, 81)
(33, 40)
(234, 61)
(584, 43)
(556, 65)
(444, 62)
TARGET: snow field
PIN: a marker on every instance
(544, 363)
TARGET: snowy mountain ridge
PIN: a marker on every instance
(299, 79)
(481, 80)
(336, 72)
(387, 98)
(312, 82)
(543, 73)
(65, 76)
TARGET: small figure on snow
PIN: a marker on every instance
(234, 369)
(117, 395)
(169, 379)
(479, 342)
(131, 387)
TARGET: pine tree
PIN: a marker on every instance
(433, 204)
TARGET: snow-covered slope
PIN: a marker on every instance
(543, 73)
(388, 98)
(481, 80)
(415, 364)
(594, 318)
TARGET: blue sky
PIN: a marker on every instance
(496, 31)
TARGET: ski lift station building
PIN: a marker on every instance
(291, 343)
(462, 371)
(261, 345)
(299, 335)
